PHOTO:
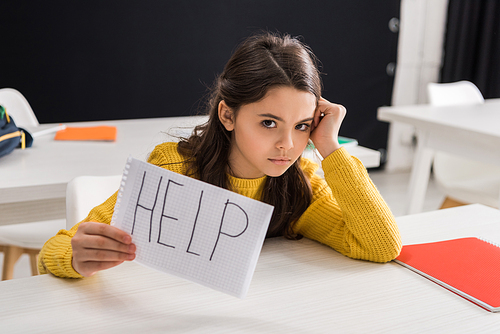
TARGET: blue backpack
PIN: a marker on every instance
(11, 136)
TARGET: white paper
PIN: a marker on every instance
(190, 228)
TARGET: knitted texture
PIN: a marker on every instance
(347, 212)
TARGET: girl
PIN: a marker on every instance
(265, 107)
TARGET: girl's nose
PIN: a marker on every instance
(285, 142)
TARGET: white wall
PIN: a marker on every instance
(421, 37)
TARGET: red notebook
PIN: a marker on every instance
(470, 267)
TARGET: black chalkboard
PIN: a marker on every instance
(95, 60)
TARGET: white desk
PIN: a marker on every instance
(39, 174)
(298, 287)
(471, 131)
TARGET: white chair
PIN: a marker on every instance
(18, 107)
(85, 192)
(463, 181)
(82, 194)
(25, 238)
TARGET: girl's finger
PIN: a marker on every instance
(105, 243)
(105, 230)
(101, 255)
(319, 112)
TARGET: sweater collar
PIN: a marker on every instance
(247, 183)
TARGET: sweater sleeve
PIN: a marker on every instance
(348, 213)
(56, 255)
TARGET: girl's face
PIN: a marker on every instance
(268, 136)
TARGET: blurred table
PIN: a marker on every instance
(471, 131)
(33, 184)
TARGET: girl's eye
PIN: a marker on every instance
(302, 127)
(268, 123)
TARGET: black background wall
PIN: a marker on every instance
(96, 60)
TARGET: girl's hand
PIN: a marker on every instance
(98, 246)
(326, 125)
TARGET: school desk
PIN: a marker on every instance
(33, 183)
(471, 131)
(298, 287)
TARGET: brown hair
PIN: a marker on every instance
(260, 63)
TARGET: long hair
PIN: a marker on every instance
(260, 63)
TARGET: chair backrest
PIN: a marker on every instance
(455, 93)
(18, 107)
(85, 192)
(449, 169)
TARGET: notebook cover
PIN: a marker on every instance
(103, 133)
(345, 141)
(469, 267)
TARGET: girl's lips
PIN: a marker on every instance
(280, 161)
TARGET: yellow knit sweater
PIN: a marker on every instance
(347, 212)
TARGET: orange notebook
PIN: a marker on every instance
(104, 133)
(469, 267)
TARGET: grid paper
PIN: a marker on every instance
(189, 228)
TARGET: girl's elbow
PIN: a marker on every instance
(391, 252)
